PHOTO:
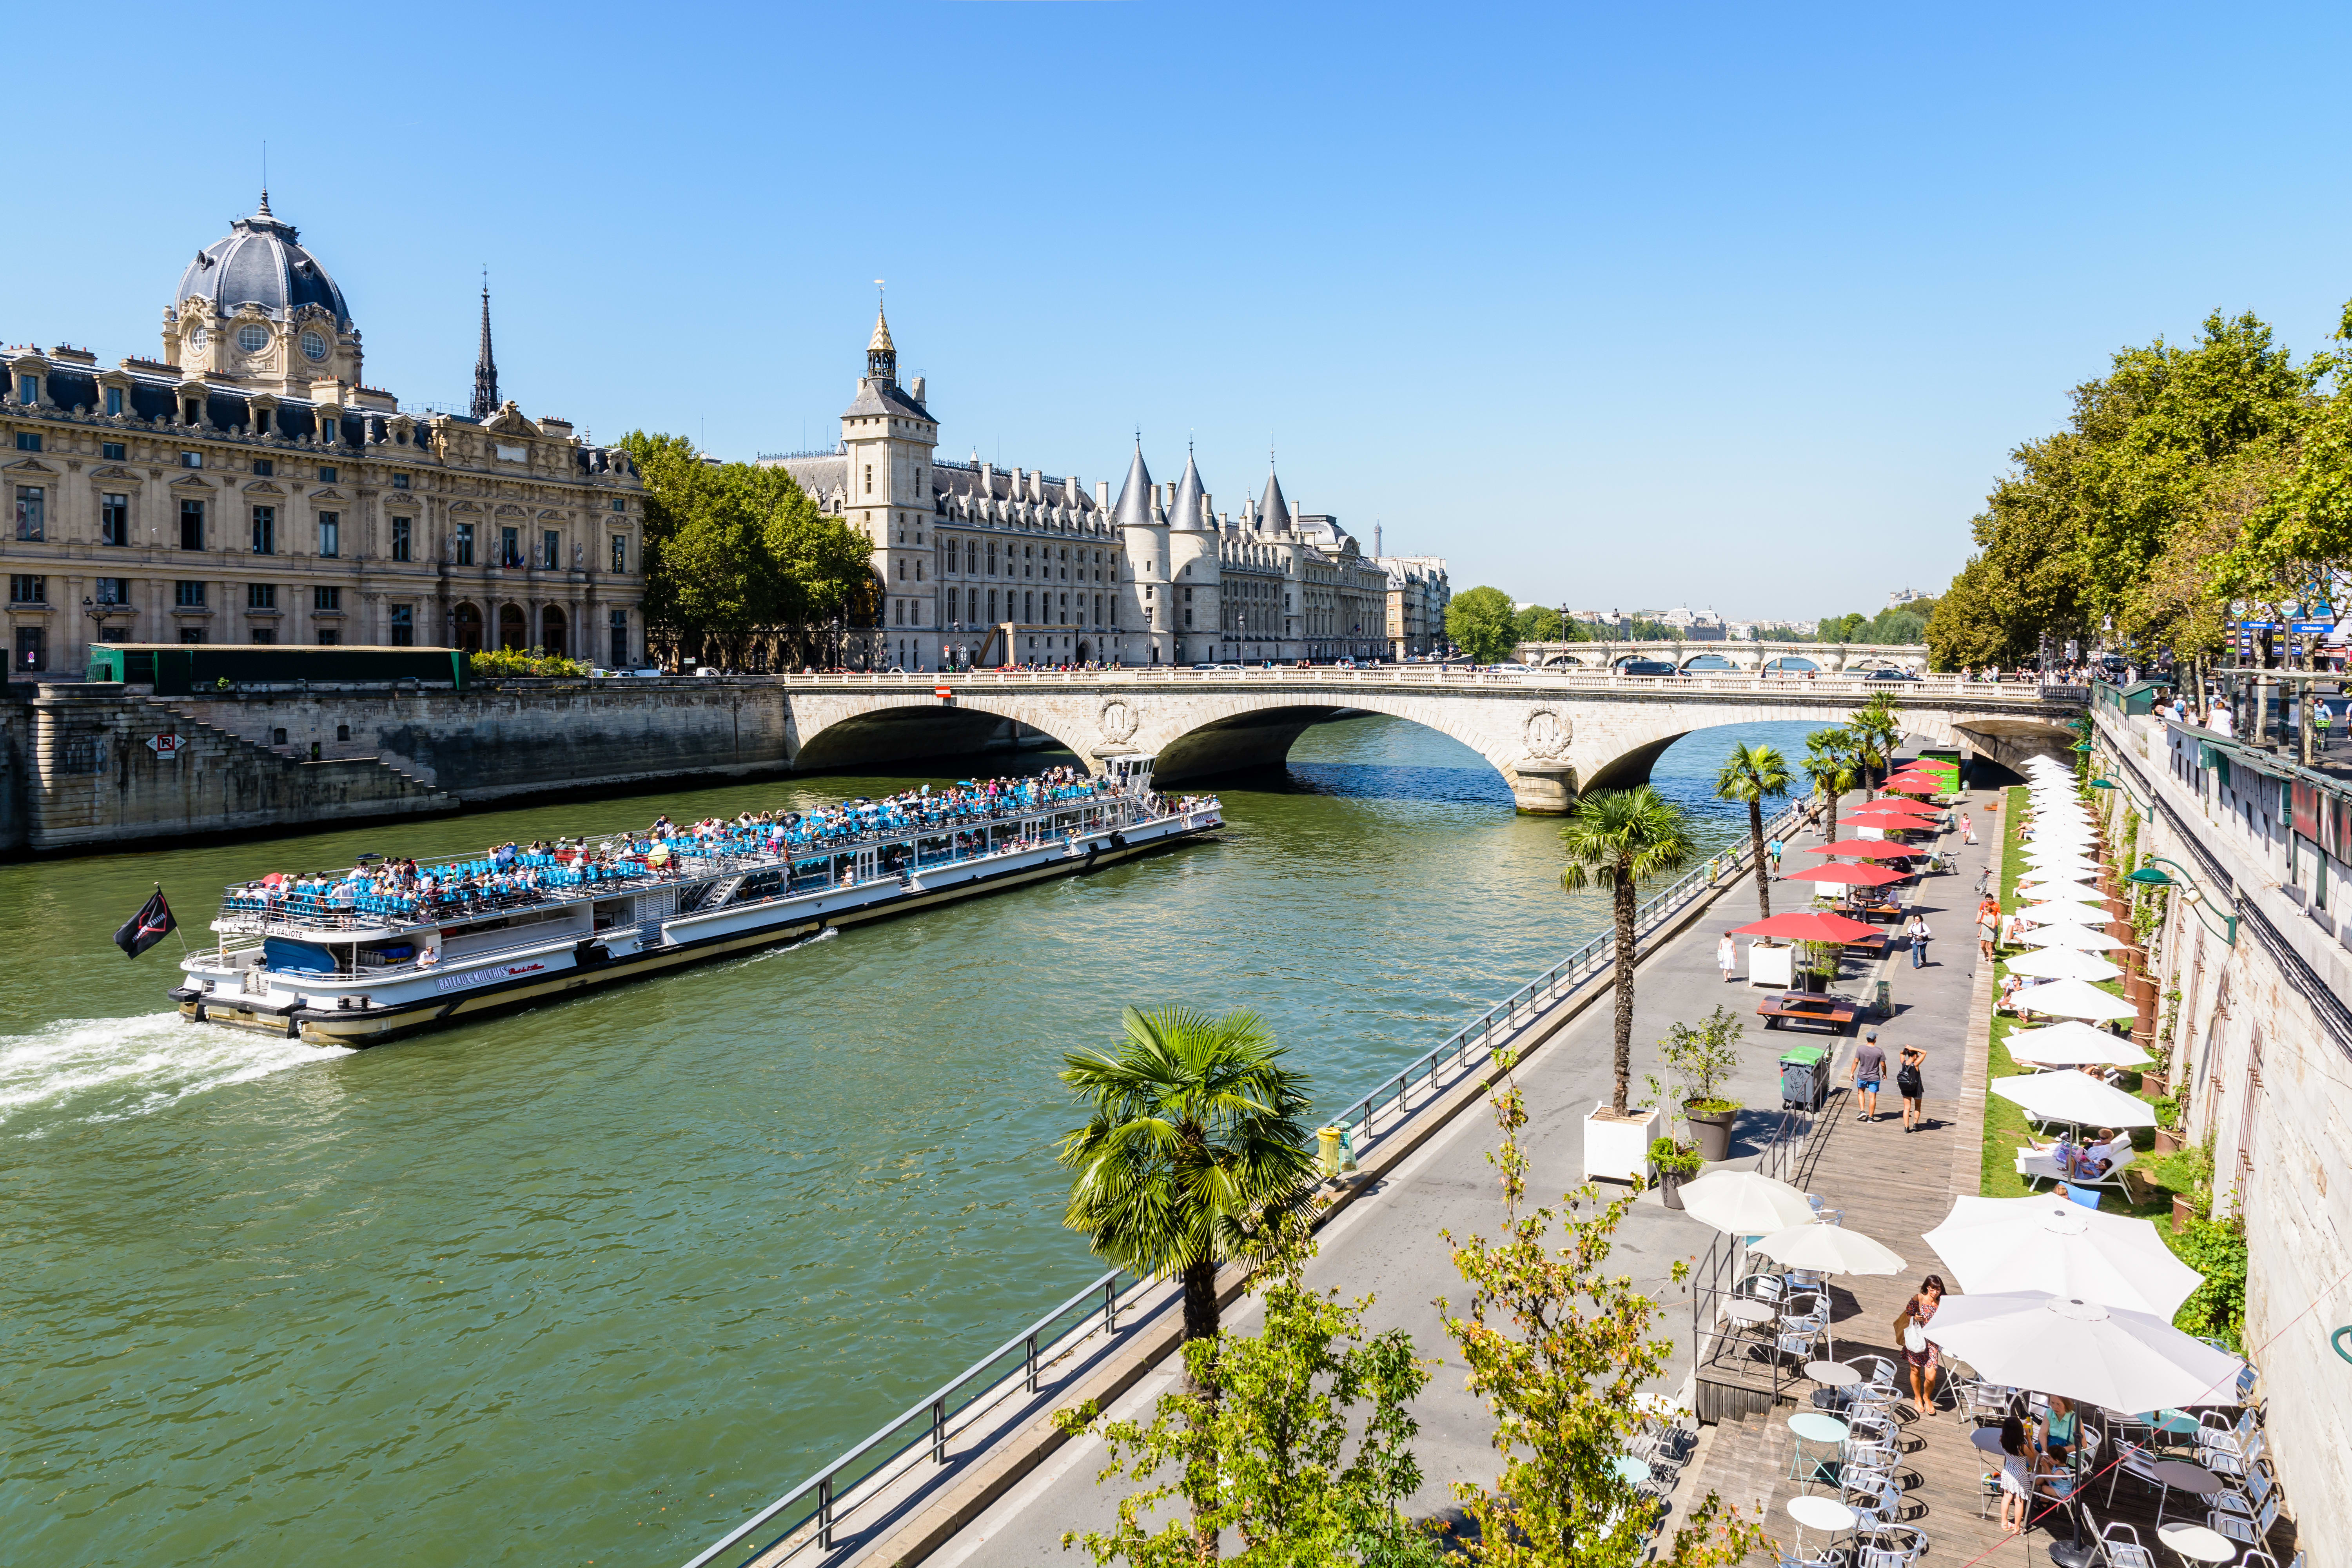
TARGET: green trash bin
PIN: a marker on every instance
(1804, 1077)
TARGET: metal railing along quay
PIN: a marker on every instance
(820, 1508)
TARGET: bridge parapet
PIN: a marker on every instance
(1832, 657)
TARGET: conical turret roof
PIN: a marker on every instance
(1190, 511)
(881, 343)
(1273, 511)
(1134, 509)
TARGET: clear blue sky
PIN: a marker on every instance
(1623, 306)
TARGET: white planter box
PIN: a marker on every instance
(1773, 966)
(1617, 1151)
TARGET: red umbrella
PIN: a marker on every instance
(1867, 849)
(1856, 876)
(1889, 820)
(1807, 927)
(1907, 776)
(1913, 787)
(1893, 808)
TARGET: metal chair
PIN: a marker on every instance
(2119, 1545)
(2239, 1528)
(2132, 1459)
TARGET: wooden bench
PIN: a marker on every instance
(1809, 1007)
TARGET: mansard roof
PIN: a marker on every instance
(875, 396)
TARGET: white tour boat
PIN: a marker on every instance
(363, 958)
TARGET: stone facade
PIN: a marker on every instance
(250, 487)
(2250, 1014)
(982, 567)
(1418, 594)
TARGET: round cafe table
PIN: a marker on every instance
(1817, 1513)
(1989, 1439)
(1809, 1428)
(1751, 1313)
(1631, 1470)
(2195, 1544)
(2180, 1476)
(1832, 1373)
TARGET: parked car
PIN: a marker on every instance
(1647, 667)
(1889, 675)
(704, 669)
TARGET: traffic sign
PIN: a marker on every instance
(2313, 628)
(944, 693)
(166, 746)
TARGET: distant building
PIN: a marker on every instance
(1902, 596)
(1418, 594)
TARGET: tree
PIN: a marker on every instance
(1877, 731)
(1840, 628)
(1196, 1132)
(1269, 1460)
(1561, 1369)
(1538, 624)
(1623, 839)
(1483, 624)
(1755, 774)
(1831, 768)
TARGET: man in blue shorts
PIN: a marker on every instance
(1866, 1072)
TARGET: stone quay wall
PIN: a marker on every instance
(2254, 1025)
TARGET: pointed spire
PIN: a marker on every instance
(1134, 509)
(1189, 511)
(485, 367)
(265, 203)
(881, 353)
(1273, 511)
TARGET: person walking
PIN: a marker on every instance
(1920, 1352)
(1727, 956)
(1772, 848)
(1968, 828)
(1916, 928)
(1988, 925)
(1867, 1072)
(1911, 1083)
(2319, 724)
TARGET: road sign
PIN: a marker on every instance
(2313, 628)
(166, 746)
(2261, 626)
(944, 693)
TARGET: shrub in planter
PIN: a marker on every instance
(1699, 1059)
(1676, 1162)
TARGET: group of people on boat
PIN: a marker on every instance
(510, 873)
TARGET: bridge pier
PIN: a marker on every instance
(1543, 789)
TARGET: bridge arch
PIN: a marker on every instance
(890, 726)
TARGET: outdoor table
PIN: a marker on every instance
(1832, 1373)
(1989, 1439)
(1820, 1513)
(1810, 1428)
(1631, 1470)
(2180, 1475)
(1752, 1314)
(2195, 1544)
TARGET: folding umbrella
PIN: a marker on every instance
(1831, 1249)
(2075, 1097)
(1806, 925)
(2063, 964)
(1996, 1245)
(1912, 786)
(1852, 876)
(2073, 1043)
(1890, 820)
(1868, 848)
(1746, 1204)
(2083, 937)
(2110, 1357)
(1898, 809)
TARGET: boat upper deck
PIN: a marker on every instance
(783, 853)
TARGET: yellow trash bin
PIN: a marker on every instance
(1327, 1151)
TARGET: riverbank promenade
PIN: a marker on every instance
(1387, 1243)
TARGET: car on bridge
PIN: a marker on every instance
(1647, 667)
(1889, 675)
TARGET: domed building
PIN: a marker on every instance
(248, 486)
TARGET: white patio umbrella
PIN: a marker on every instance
(2063, 912)
(2083, 937)
(1745, 1203)
(2107, 1356)
(2073, 1043)
(2075, 1097)
(2040, 887)
(1994, 1245)
(1832, 1248)
(2073, 999)
(2063, 964)
(2042, 859)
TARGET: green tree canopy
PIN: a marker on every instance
(1537, 624)
(1483, 624)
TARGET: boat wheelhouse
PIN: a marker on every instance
(366, 957)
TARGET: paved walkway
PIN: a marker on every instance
(1388, 1244)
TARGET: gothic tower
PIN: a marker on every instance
(886, 440)
(486, 369)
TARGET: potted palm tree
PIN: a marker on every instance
(1676, 1162)
(1197, 1129)
(1754, 774)
(1620, 839)
(1700, 1059)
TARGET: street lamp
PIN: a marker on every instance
(2191, 894)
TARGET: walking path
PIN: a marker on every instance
(1388, 1244)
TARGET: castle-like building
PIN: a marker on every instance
(982, 567)
(249, 486)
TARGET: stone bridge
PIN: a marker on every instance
(1834, 659)
(1551, 734)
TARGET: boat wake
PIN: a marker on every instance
(827, 935)
(103, 1070)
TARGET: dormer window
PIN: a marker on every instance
(28, 389)
(114, 401)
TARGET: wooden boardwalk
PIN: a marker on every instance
(1892, 1186)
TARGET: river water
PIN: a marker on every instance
(591, 1283)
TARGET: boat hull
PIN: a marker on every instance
(356, 1014)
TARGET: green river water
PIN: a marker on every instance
(591, 1283)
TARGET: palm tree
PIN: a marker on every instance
(1623, 839)
(1196, 1132)
(1878, 724)
(1755, 774)
(1830, 764)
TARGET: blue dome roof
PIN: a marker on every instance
(262, 261)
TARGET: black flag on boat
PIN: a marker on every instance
(151, 925)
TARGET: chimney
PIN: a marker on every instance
(987, 478)
(917, 391)
(1102, 494)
